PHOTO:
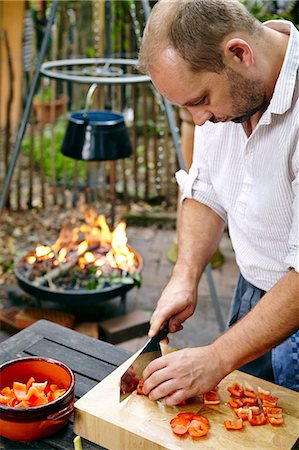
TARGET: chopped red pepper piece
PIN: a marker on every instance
(202, 418)
(179, 425)
(233, 424)
(277, 421)
(19, 390)
(235, 402)
(251, 401)
(248, 390)
(258, 419)
(29, 383)
(186, 415)
(272, 411)
(242, 413)
(269, 399)
(139, 387)
(236, 390)
(211, 398)
(198, 428)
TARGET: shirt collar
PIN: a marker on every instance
(283, 93)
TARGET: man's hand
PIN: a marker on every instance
(176, 304)
(183, 374)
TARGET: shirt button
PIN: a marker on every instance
(241, 208)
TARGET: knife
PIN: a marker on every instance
(150, 351)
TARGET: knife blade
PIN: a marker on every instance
(150, 351)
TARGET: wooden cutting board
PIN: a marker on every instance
(138, 423)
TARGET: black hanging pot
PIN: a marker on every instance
(96, 135)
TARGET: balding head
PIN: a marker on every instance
(195, 29)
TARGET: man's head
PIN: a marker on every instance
(196, 30)
(198, 56)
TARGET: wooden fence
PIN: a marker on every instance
(43, 176)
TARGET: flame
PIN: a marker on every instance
(42, 250)
(99, 262)
(81, 262)
(31, 259)
(82, 247)
(111, 260)
(92, 243)
(89, 257)
(124, 258)
(62, 255)
(105, 232)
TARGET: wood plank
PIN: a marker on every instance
(14, 346)
(18, 343)
(16, 445)
(95, 367)
(85, 344)
(83, 385)
(139, 423)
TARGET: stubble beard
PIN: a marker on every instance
(247, 96)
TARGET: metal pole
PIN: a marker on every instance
(27, 108)
(168, 107)
(177, 144)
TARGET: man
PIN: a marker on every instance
(239, 79)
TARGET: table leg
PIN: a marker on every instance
(123, 300)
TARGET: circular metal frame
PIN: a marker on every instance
(74, 297)
(108, 74)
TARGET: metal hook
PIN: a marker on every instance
(88, 98)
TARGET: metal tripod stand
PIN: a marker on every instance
(170, 117)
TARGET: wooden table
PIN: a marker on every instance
(91, 360)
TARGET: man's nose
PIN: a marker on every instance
(200, 117)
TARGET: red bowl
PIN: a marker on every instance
(37, 422)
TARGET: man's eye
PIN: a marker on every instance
(201, 101)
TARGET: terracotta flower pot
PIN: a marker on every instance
(42, 108)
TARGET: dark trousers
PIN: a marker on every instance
(245, 298)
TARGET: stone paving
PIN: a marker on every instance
(152, 244)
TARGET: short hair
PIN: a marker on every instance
(195, 29)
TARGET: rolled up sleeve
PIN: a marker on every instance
(197, 183)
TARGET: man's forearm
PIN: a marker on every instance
(271, 321)
(199, 236)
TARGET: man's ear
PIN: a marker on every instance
(238, 52)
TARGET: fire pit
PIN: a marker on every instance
(86, 264)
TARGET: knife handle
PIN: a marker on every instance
(164, 330)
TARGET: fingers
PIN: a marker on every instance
(159, 384)
(158, 379)
(158, 318)
(175, 324)
(175, 398)
(161, 316)
(175, 312)
(151, 369)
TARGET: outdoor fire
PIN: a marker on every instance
(89, 256)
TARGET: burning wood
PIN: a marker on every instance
(89, 256)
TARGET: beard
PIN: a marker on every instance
(247, 97)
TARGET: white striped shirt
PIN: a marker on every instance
(253, 182)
